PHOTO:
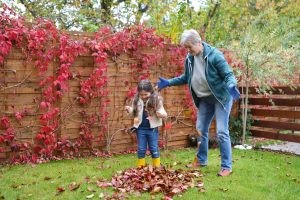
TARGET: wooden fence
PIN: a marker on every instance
(22, 92)
(276, 116)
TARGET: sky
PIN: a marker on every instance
(198, 3)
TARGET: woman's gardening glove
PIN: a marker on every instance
(162, 83)
(234, 92)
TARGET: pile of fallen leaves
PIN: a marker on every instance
(170, 182)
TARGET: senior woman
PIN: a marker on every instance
(212, 85)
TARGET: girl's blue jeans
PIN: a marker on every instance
(147, 137)
(208, 108)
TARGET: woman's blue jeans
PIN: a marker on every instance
(147, 137)
(208, 108)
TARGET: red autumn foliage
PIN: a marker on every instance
(42, 44)
(170, 182)
(168, 126)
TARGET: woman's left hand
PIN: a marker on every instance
(234, 92)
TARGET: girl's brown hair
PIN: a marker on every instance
(153, 101)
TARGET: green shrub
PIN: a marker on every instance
(236, 128)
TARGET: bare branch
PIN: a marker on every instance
(209, 16)
(16, 85)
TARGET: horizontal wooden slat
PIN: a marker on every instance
(277, 125)
(276, 136)
(277, 102)
(294, 90)
(2, 156)
(182, 143)
(276, 113)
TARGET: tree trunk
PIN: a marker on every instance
(105, 10)
(245, 112)
(209, 16)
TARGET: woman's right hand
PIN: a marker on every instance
(162, 83)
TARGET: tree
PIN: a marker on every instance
(70, 15)
(171, 17)
(82, 15)
(269, 50)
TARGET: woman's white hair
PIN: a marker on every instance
(190, 36)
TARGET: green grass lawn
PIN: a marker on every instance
(256, 175)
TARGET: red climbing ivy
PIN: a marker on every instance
(43, 45)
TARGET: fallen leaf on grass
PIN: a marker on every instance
(59, 190)
(74, 186)
(201, 190)
(103, 184)
(90, 196)
(46, 178)
(122, 190)
(176, 191)
(200, 184)
(223, 189)
(156, 189)
(90, 189)
(14, 186)
(197, 174)
(87, 179)
(101, 195)
(114, 196)
(296, 180)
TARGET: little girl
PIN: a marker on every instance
(148, 111)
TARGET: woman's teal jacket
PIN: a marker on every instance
(218, 74)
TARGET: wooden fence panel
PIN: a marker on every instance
(287, 90)
(276, 115)
(292, 114)
(24, 92)
(274, 101)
